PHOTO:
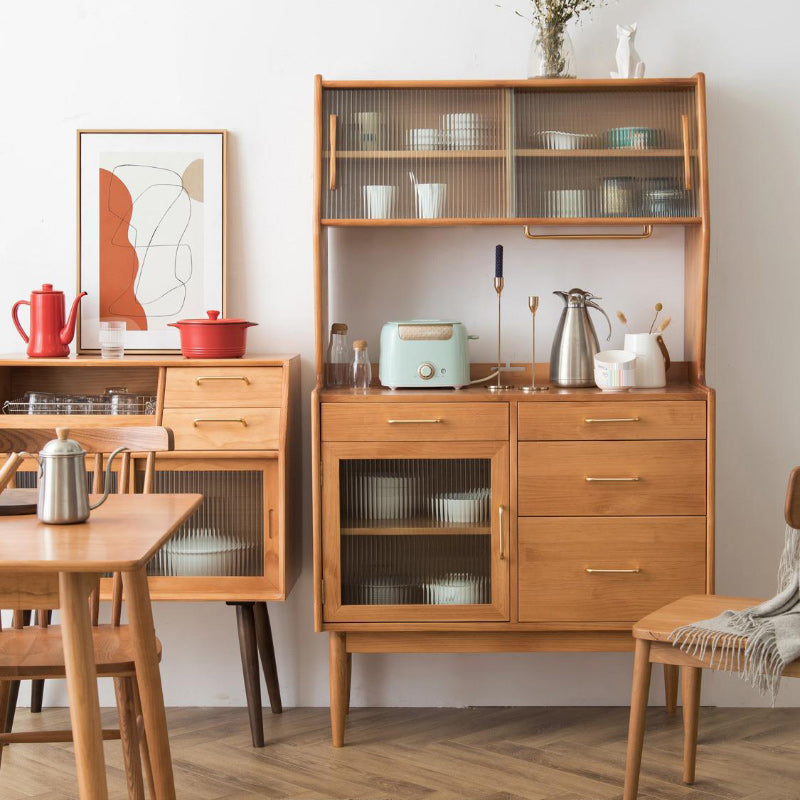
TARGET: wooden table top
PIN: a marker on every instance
(122, 535)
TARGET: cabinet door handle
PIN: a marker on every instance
(501, 515)
(612, 480)
(590, 420)
(200, 378)
(240, 420)
(413, 421)
(593, 571)
(332, 164)
(687, 161)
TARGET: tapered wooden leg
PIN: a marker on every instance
(349, 680)
(639, 695)
(691, 678)
(84, 707)
(338, 669)
(5, 688)
(21, 619)
(245, 621)
(143, 751)
(671, 688)
(266, 649)
(129, 736)
(37, 687)
(143, 636)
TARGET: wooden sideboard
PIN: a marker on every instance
(237, 439)
(466, 521)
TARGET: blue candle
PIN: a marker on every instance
(498, 261)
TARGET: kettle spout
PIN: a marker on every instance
(68, 331)
(563, 295)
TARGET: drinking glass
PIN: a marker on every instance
(112, 336)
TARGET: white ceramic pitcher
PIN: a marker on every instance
(652, 359)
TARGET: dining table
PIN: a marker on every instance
(122, 535)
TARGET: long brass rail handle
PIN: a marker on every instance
(687, 161)
(201, 378)
(592, 571)
(413, 421)
(647, 232)
(612, 480)
(239, 420)
(590, 420)
(501, 513)
(332, 166)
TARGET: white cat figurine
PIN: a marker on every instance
(629, 65)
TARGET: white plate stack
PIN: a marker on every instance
(467, 508)
(455, 589)
(465, 131)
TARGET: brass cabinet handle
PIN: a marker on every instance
(612, 480)
(332, 165)
(413, 421)
(198, 380)
(593, 571)
(501, 513)
(687, 162)
(240, 420)
(590, 420)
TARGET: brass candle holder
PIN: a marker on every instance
(499, 387)
(533, 305)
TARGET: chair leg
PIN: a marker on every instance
(10, 705)
(671, 688)
(266, 650)
(338, 677)
(639, 694)
(252, 677)
(5, 688)
(691, 678)
(144, 751)
(129, 736)
(37, 687)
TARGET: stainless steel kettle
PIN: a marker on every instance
(575, 343)
(63, 488)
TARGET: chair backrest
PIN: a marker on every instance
(97, 442)
(791, 509)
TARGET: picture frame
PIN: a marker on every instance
(152, 232)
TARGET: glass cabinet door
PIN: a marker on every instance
(623, 153)
(422, 537)
(415, 154)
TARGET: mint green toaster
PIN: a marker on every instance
(424, 354)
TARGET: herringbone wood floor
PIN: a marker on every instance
(439, 754)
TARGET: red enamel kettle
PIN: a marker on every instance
(50, 335)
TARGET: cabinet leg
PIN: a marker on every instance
(641, 689)
(338, 668)
(671, 688)
(252, 677)
(691, 679)
(266, 649)
(349, 680)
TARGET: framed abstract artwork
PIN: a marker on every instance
(151, 232)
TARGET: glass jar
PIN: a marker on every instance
(361, 368)
(337, 363)
(551, 54)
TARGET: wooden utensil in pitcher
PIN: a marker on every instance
(8, 469)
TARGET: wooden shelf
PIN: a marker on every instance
(415, 526)
(605, 152)
(411, 222)
(401, 154)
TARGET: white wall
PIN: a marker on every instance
(247, 66)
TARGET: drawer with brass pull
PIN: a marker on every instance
(628, 419)
(607, 569)
(612, 478)
(212, 428)
(188, 387)
(411, 422)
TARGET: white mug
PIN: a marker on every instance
(430, 200)
(615, 370)
(652, 359)
(378, 201)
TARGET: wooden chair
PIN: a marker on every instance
(653, 645)
(35, 652)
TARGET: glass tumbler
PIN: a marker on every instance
(112, 338)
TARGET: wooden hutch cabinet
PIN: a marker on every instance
(470, 521)
(236, 429)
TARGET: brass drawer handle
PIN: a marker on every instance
(501, 512)
(612, 480)
(590, 420)
(240, 420)
(687, 162)
(413, 421)
(592, 571)
(332, 166)
(201, 378)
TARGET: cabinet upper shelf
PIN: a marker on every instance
(439, 153)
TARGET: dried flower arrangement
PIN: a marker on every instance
(658, 308)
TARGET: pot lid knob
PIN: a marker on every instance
(213, 314)
(62, 446)
(47, 287)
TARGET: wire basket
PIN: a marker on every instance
(41, 403)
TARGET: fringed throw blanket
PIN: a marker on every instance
(771, 630)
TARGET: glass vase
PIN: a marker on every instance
(552, 54)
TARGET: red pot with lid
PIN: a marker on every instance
(213, 337)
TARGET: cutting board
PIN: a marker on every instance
(18, 501)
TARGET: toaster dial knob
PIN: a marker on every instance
(426, 371)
